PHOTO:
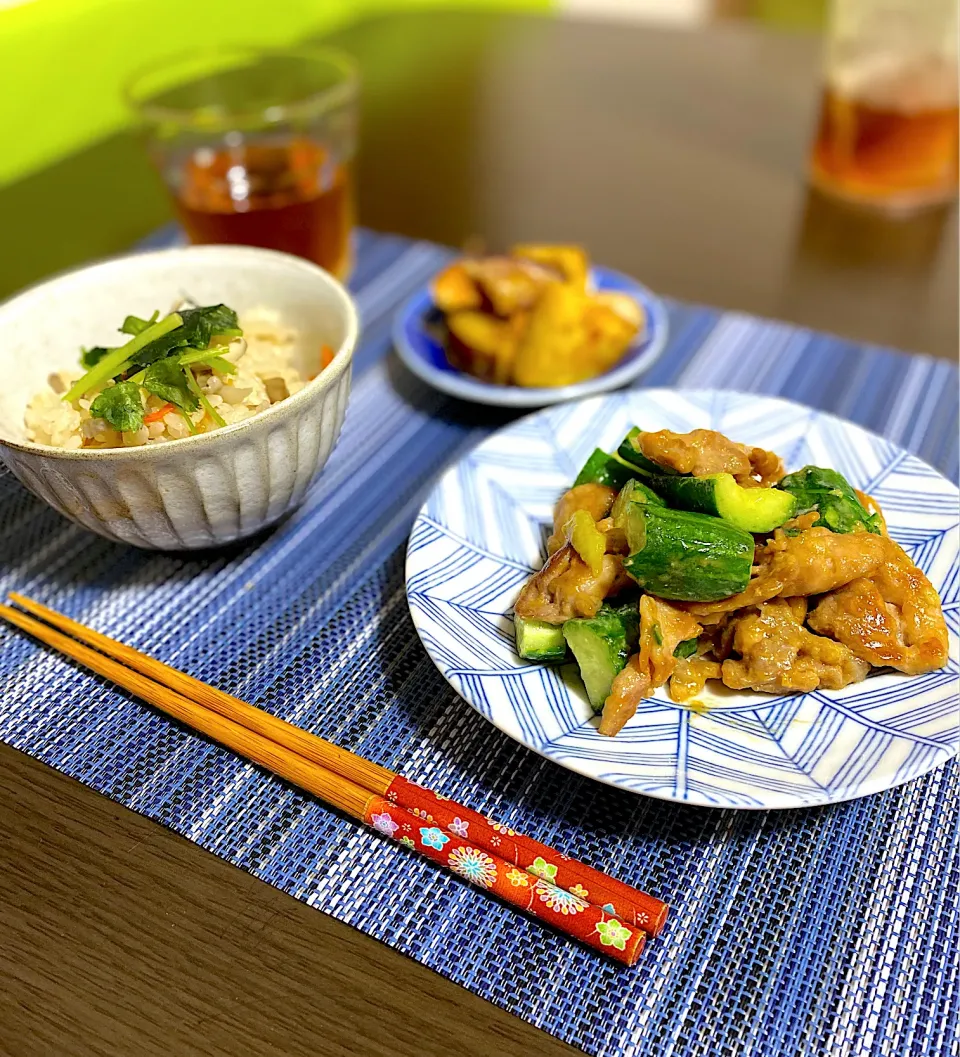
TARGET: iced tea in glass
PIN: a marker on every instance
(257, 148)
(888, 124)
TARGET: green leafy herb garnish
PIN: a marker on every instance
(91, 357)
(687, 648)
(208, 359)
(200, 324)
(198, 327)
(656, 633)
(224, 337)
(120, 406)
(159, 348)
(134, 325)
(207, 406)
(168, 380)
(116, 361)
(157, 358)
(220, 365)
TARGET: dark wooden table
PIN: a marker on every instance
(675, 155)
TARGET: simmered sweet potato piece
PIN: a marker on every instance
(569, 263)
(454, 289)
(485, 345)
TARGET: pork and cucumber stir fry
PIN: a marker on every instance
(686, 557)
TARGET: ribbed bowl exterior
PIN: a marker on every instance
(188, 498)
(200, 491)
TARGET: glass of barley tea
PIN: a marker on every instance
(256, 148)
(887, 133)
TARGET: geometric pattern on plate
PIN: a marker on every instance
(481, 532)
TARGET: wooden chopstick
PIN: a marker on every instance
(343, 794)
(627, 903)
(355, 768)
(567, 913)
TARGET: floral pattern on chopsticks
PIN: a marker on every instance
(541, 868)
(385, 824)
(476, 866)
(433, 837)
(613, 933)
(560, 901)
(633, 908)
(530, 890)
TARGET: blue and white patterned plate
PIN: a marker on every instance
(425, 356)
(482, 531)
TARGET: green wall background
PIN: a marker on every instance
(63, 62)
(793, 14)
(75, 184)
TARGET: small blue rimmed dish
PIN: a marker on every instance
(415, 339)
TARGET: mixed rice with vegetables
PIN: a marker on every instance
(196, 370)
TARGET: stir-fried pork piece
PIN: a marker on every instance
(893, 617)
(811, 563)
(819, 560)
(779, 655)
(766, 467)
(566, 588)
(704, 451)
(857, 616)
(596, 499)
(690, 677)
(800, 523)
(662, 628)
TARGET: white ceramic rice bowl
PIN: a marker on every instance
(203, 490)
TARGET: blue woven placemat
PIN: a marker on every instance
(830, 931)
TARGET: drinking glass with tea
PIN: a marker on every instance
(887, 133)
(256, 148)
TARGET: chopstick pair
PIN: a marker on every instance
(602, 912)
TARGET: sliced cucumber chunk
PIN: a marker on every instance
(687, 557)
(539, 641)
(601, 645)
(633, 491)
(832, 496)
(629, 452)
(752, 509)
(602, 468)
